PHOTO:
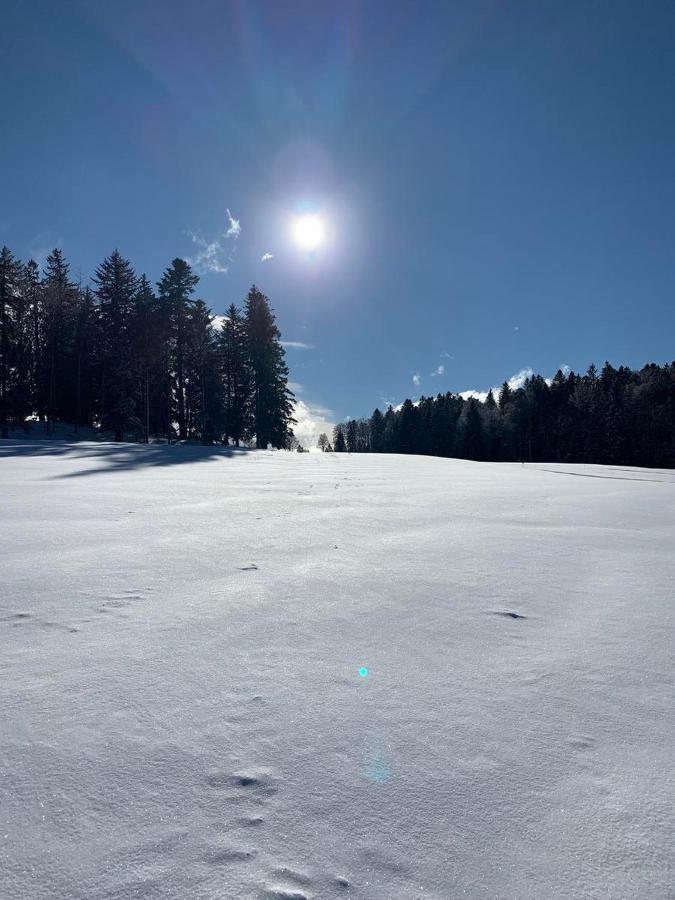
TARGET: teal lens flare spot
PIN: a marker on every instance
(363, 671)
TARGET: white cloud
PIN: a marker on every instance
(445, 355)
(212, 255)
(514, 382)
(297, 345)
(518, 380)
(477, 395)
(209, 258)
(417, 379)
(439, 370)
(266, 256)
(234, 226)
(311, 422)
(217, 322)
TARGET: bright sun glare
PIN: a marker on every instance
(309, 232)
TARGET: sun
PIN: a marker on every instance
(309, 232)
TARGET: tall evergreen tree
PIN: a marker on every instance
(339, 444)
(351, 436)
(377, 431)
(175, 295)
(56, 371)
(10, 336)
(236, 375)
(271, 400)
(115, 286)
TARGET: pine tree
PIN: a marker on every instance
(472, 438)
(115, 286)
(204, 401)
(271, 401)
(86, 335)
(56, 369)
(505, 396)
(236, 376)
(350, 436)
(175, 289)
(407, 428)
(10, 327)
(339, 440)
(148, 341)
(377, 431)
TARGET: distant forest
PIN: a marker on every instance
(615, 417)
(137, 362)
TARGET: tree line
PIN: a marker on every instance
(614, 417)
(135, 361)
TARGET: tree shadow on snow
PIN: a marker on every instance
(113, 457)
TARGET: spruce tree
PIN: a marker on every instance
(339, 440)
(56, 369)
(271, 401)
(115, 286)
(377, 431)
(10, 327)
(351, 436)
(175, 289)
(236, 376)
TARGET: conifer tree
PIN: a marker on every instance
(350, 436)
(377, 431)
(56, 372)
(10, 338)
(175, 295)
(339, 444)
(115, 286)
(271, 401)
(236, 376)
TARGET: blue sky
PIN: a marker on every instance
(497, 179)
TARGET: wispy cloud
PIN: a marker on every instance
(214, 255)
(234, 226)
(417, 379)
(297, 345)
(209, 257)
(439, 370)
(445, 355)
(266, 256)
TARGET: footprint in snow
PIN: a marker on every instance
(278, 893)
(24, 618)
(294, 877)
(251, 568)
(508, 614)
(226, 855)
(252, 784)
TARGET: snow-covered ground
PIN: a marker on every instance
(182, 713)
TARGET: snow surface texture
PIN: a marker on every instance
(182, 713)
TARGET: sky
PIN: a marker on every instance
(495, 179)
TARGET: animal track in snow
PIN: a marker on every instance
(226, 855)
(294, 877)
(254, 784)
(24, 618)
(277, 893)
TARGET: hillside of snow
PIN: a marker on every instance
(278, 676)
